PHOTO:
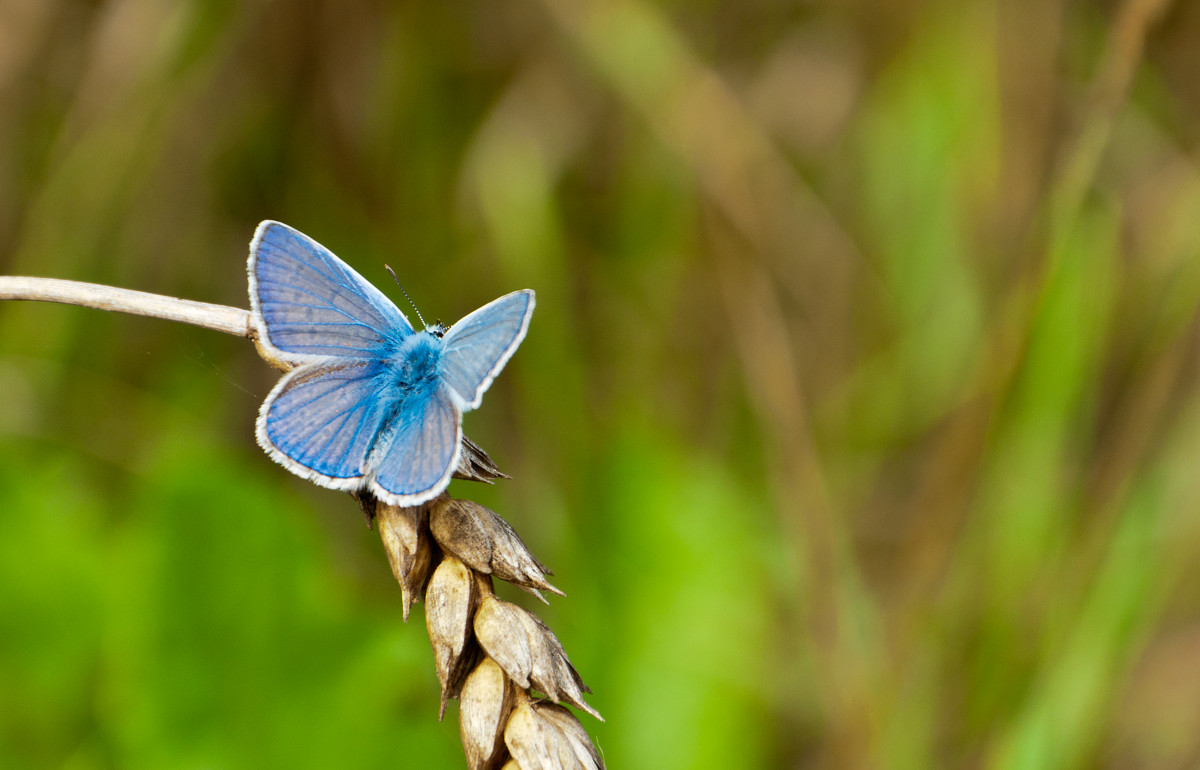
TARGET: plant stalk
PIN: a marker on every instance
(221, 318)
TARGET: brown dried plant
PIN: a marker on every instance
(491, 655)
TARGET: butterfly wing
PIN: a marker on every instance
(476, 348)
(308, 304)
(321, 420)
(419, 449)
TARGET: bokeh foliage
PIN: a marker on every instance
(859, 415)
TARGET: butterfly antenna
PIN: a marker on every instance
(414, 304)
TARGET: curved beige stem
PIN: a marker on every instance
(222, 318)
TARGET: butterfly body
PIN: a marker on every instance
(371, 403)
(417, 365)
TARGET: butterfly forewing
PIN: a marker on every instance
(322, 419)
(308, 303)
(477, 347)
(420, 449)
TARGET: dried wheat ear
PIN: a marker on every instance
(490, 654)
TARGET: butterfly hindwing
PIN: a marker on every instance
(307, 303)
(476, 348)
(321, 420)
(419, 449)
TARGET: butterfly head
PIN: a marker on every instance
(438, 329)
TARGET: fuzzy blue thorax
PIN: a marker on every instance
(411, 376)
(416, 365)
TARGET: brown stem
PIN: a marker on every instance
(222, 318)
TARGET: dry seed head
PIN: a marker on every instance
(405, 539)
(523, 653)
(529, 652)
(569, 726)
(475, 465)
(486, 542)
(552, 672)
(543, 736)
(449, 604)
(500, 632)
(484, 705)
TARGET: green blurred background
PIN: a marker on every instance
(859, 416)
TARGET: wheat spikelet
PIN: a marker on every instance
(489, 654)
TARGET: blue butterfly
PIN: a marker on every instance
(369, 403)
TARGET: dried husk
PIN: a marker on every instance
(529, 652)
(544, 736)
(475, 465)
(405, 537)
(485, 702)
(569, 726)
(486, 543)
(449, 605)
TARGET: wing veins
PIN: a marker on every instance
(337, 347)
(344, 414)
(322, 395)
(280, 324)
(346, 417)
(350, 444)
(339, 275)
(321, 262)
(326, 306)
